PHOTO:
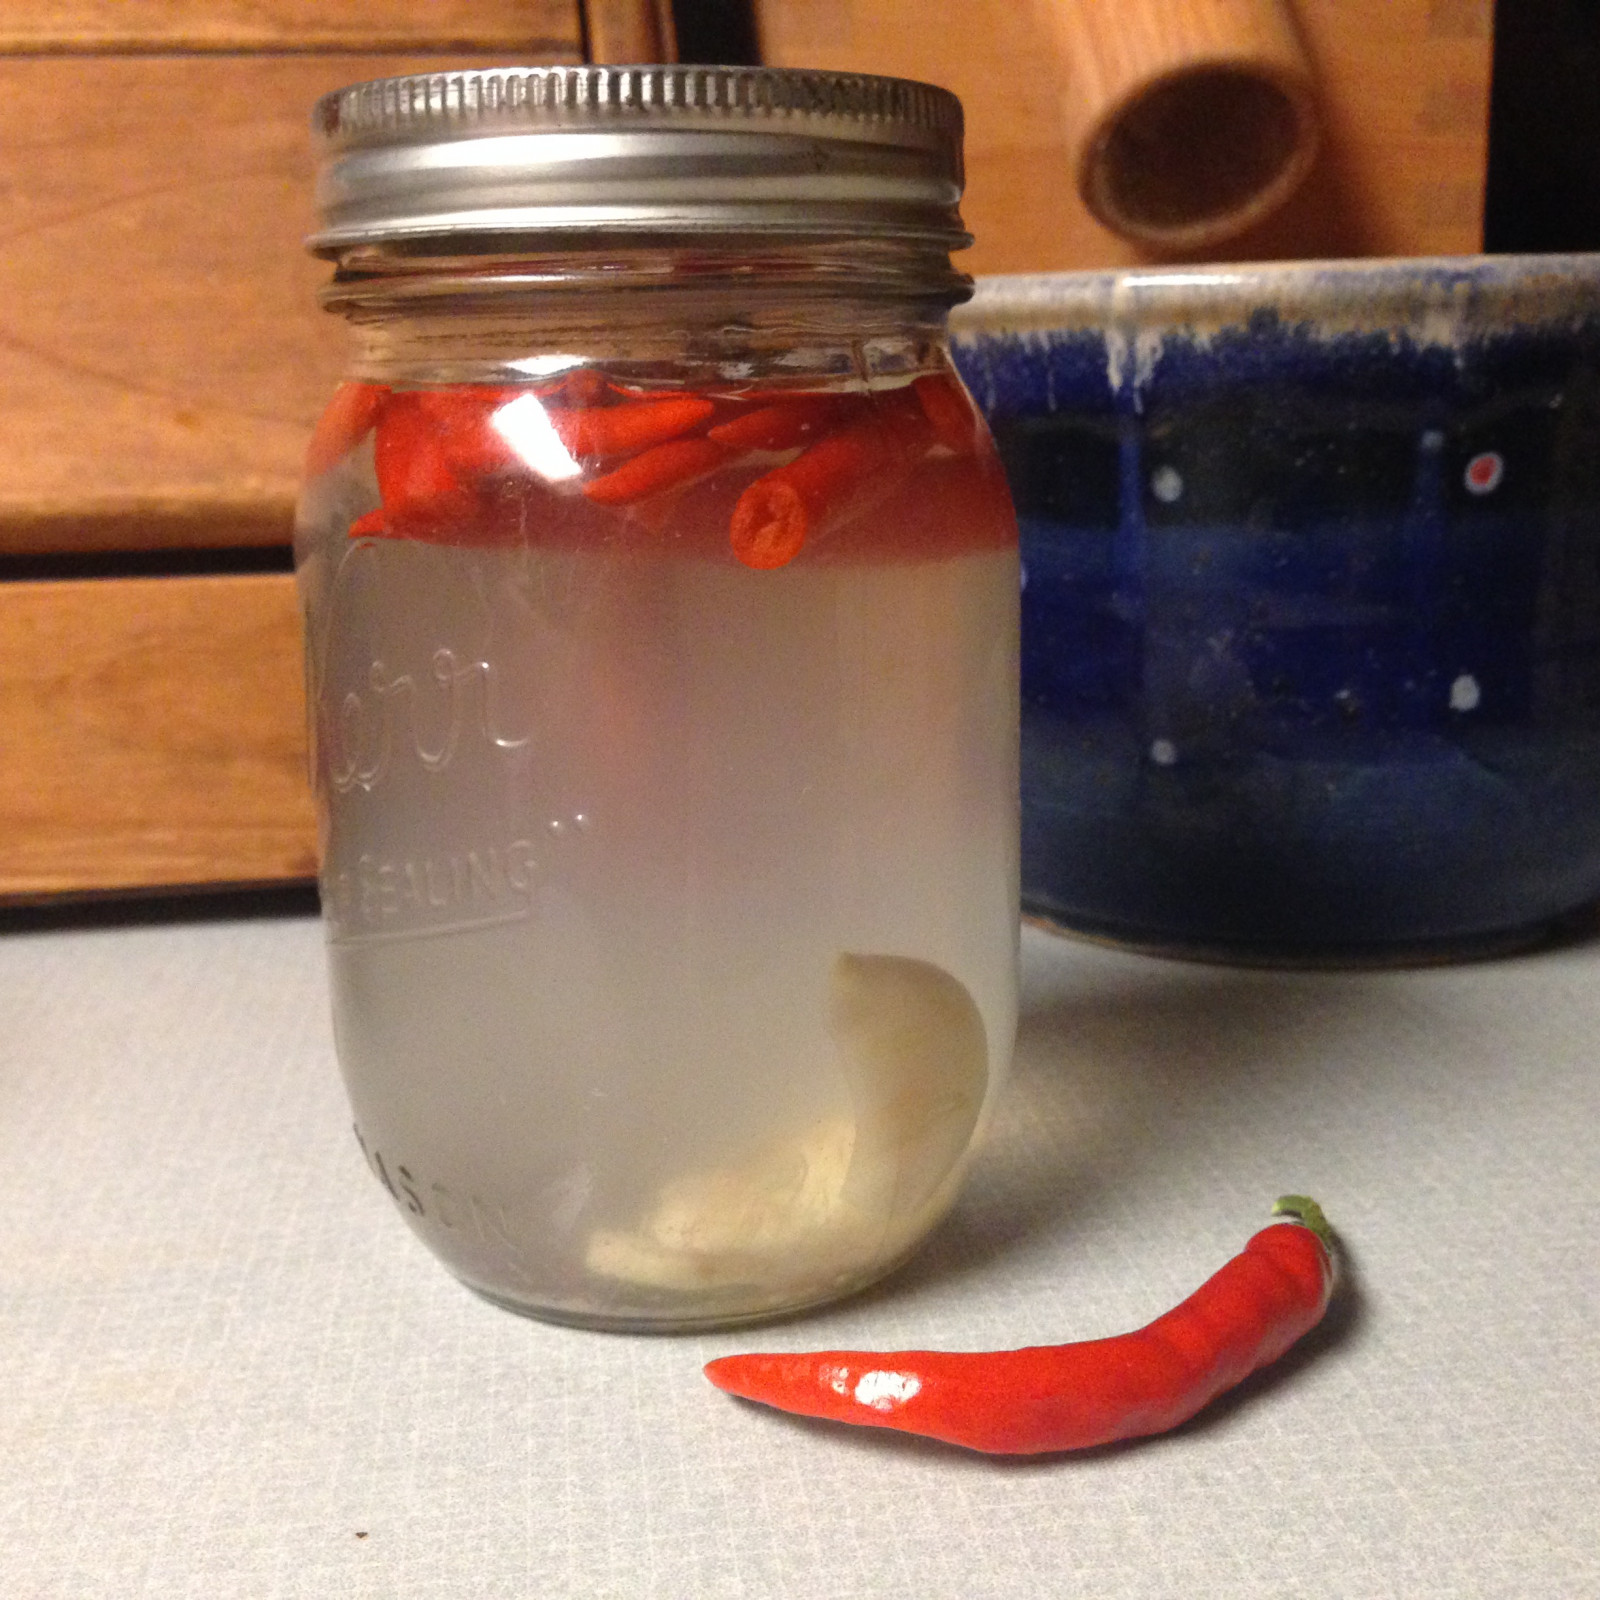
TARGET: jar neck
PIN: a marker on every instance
(690, 304)
(401, 273)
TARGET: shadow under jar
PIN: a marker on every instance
(661, 589)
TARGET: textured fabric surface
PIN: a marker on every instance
(227, 1369)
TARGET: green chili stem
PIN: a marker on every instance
(1307, 1212)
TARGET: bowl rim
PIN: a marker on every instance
(1367, 293)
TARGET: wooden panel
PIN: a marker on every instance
(1408, 112)
(162, 356)
(541, 27)
(629, 30)
(1405, 88)
(151, 734)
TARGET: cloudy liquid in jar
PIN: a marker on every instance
(670, 887)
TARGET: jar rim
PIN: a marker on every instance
(640, 151)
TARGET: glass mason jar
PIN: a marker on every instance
(660, 587)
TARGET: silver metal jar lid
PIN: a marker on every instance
(654, 150)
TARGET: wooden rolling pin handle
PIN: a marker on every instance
(1188, 120)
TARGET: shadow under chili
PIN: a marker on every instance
(1124, 1068)
(1073, 1130)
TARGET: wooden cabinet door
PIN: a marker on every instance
(162, 361)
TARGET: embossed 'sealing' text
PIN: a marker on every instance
(393, 723)
(431, 893)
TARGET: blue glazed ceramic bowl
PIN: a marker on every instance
(1311, 616)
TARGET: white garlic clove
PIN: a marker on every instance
(774, 1203)
(915, 1056)
(726, 1226)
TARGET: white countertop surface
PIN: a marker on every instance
(227, 1368)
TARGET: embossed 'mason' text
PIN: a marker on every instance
(361, 733)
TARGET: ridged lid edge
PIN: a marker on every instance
(497, 99)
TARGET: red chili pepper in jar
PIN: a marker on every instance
(349, 418)
(1073, 1396)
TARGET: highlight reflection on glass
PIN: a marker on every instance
(523, 424)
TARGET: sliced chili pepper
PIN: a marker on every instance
(409, 454)
(423, 493)
(584, 386)
(781, 509)
(1073, 1396)
(347, 421)
(653, 471)
(487, 463)
(947, 408)
(463, 420)
(778, 427)
(629, 427)
(477, 445)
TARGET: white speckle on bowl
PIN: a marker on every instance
(1166, 484)
(1465, 693)
(1163, 752)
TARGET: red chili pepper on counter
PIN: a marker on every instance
(1073, 1396)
